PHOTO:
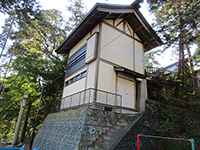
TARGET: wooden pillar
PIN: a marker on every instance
(19, 121)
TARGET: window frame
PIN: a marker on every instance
(76, 78)
(76, 61)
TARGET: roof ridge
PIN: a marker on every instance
(101, 11)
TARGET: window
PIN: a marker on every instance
(76, 61)
(76, 78)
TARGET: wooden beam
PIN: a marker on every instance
(128, 26)
(122, 32)
(138, 29)
(119, 23)
(124, 26)
(114, 22)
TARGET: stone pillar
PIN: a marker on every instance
(143, 95)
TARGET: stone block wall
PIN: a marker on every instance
(61, 131)
(84, 128)
(163, 119)
(104, 129)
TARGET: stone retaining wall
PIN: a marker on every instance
(164, 120)
(83, 129)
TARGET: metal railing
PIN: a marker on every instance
(153, 70)
(90, 96)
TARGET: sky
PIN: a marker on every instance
(62, 5)
(165, 59)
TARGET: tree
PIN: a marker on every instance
(178, 22)
(35, 69)
(197, 54)
(22, 8)
(18, 12)
(16, 87)
(149, 59)
(76, 9)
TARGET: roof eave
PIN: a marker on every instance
(100, 11)
(155, 38)
(60, 49)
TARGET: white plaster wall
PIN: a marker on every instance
(80, 44)
(139, 57)
(83, 41)
(91, 48)
(109, 21)
(76, 73)
(117, 47)
(91, 75)
(118, 23)
(107, 77)
(74, 87)
(107, 82)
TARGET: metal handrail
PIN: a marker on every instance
(149, 69)
(152, 70)
(91, 95)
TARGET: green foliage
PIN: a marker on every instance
(20, 10)
(178, 24)
(76, 8)
(197, 54)
(149, 59)
(10, 5)
(170, 15)
(16, 87)
(36, 70)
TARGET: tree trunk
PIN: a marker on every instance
(190, 59)
(181, 58)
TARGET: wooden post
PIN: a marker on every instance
(19, 120)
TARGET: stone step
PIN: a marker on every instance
(125, 143)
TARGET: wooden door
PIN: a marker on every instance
(127, 88)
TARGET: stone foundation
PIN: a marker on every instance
(84, 129)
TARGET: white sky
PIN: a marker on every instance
(165, 59)
(62, 5)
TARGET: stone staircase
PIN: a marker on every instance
(126, 132)
(104, 129)
(128, 142)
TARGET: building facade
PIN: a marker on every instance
(106, 59)
(105, 87)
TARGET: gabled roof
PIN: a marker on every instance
(109, 11)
